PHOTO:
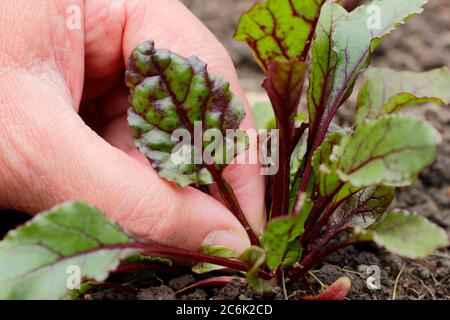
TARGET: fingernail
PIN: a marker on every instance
(227, 238)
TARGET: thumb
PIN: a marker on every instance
(63, 159)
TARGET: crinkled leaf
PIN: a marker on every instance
(406, 234)
(169, 92)
(218, 251)
(35, 258)
(264, 116)
(386, 91)
(279, 30)
(342, 48)
(390, 151)
(364, 208)
(255, 257)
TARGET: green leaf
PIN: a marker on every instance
(406, 234)
(255, 257)
(264, 116)
(364, 208)
(143, 258)
(280, 237)
(327, 180)
(36, 259)
(342, 48)
(391, 151)
(323, 62)
(386, 91)
(218, 251)
(172, 98)
(293, 253)
(275, 241)
(279, 30)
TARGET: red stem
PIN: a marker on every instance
(318, 254)
(227, 194)
(173, 252)
(280, 204)
(310, 222)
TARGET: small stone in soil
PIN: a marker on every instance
(424, 274)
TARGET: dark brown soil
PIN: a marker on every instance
(424, 43)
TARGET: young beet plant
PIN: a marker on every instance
(333, 186)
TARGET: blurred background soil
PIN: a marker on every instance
(422, 44)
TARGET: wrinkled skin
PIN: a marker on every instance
(50, 75)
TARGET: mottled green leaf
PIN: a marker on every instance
(406, 234)
(390, 151)
(342, 48)
(218, 251)
(255, 257)
(264, 116)
(172, 98)
(364, 208)
(37, 259)
(279, 30)
(386, 91)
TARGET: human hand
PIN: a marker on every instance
(48, 153)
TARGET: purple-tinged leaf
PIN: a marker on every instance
(390, 151)
(387, 91)
(169, 93)
(74, 239)
(279, 30)
(284, 85)
(363, 208)
(406, 234)
(342, 48)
